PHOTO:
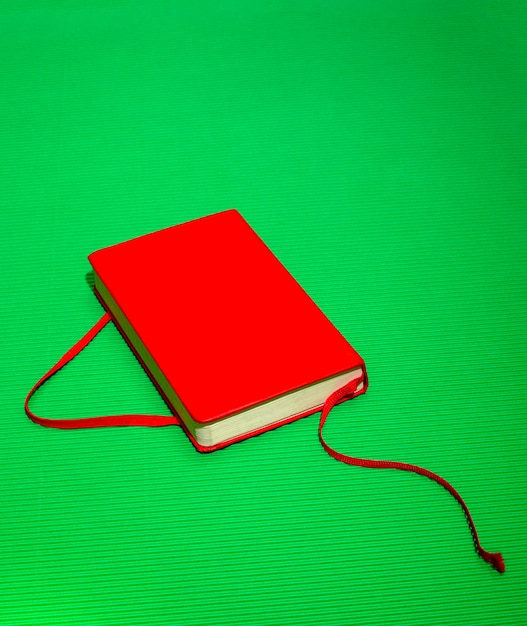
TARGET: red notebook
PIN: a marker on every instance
(230, 339)
(228, 336)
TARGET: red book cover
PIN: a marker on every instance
(217, 319)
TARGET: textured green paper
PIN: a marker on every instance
(379, 148)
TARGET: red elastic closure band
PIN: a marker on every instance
(92, 422)
(349, 391)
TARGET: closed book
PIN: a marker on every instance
(228, 336)
(233, 343)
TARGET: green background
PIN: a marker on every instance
(380, 149)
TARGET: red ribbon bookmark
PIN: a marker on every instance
(344, 393)
(349, 391)
(92, 422)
